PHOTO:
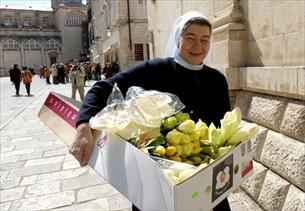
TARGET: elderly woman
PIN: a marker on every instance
(202, 89)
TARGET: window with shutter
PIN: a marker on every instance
(139, 52)
(11, 44)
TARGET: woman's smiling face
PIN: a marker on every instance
(194, 43)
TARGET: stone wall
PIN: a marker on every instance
(275, 39)
(138, 35)
(278, 182)
(33, 57)
(71, 48)
(22, 26)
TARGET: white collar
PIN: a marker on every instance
(178, 59)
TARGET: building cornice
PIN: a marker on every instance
(25, 10)
(18, 33)
(123, 21)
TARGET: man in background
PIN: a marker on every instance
(15, 75)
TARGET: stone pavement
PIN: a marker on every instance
(37, 172)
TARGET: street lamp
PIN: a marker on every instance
(108, 31)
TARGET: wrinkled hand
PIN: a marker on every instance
(83, 144)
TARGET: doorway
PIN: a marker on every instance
(52, 59)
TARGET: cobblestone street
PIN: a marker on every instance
(37, 172)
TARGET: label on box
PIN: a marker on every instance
(222, 177)
(61, 108)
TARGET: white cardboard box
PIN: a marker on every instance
(139, 177)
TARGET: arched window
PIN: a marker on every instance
(26, 44)
(51, 44)
(35, 44)
(10, 44)
(32, 44)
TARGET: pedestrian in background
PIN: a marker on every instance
(53, 72)
(15, 75)
(41, 71)
(98, 71)
(107, 71)
(27, 79)
(46, 73)
(67, 72)
(31, 69)
(10, 73)
(78, 75)
(115, 67)
(61, 73)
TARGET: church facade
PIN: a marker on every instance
(33, 38)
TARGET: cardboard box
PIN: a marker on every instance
(59, 113)
(140, 178)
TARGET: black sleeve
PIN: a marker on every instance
(95, 100)
(224, 105)
(227, 105)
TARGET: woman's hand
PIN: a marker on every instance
(83, 144)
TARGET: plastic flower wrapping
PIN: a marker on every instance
(154, 122)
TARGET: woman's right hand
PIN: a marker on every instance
(83, 144)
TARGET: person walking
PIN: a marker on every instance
(47, 74)
(98, 71)
(11, 73)
(115, 67)
(78, 75)
(202, 89)
(107, 71)
(41, 71)
(60, 73)
(67, 72)
(27, 79)
(53, 72)
(15, 75)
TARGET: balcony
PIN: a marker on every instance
(26, 26)
(29, 32)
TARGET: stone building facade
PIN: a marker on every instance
(71, 18)
(118, 31)
(262, 54)
(33, 38)
(29, 38)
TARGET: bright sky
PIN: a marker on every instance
(27, 4)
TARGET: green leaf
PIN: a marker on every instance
(160, 140)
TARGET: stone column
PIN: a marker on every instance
(21, 50)
(229, 43)
(42, 52)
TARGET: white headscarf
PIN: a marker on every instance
(173, 41)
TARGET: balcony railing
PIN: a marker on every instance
(15, 32)
(20, 27)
